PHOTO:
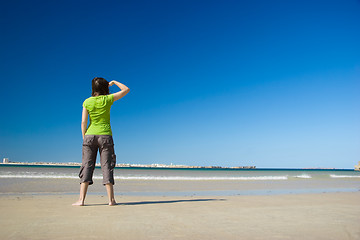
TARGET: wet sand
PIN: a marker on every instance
(180, 188)
(291, 216)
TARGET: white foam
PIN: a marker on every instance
(39, 176)
(343, 176)
(203, 178)
(306, 176)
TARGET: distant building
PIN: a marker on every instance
(357, 167)
(5, 160)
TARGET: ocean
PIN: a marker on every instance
(165, 181)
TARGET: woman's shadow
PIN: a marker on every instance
(170, 201)
(160, 202)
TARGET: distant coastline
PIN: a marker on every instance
(122, 165)
(6, 162)
(160, 166)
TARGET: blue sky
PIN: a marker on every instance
(229, 83)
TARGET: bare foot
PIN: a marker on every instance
(113, 203)
(78, 203)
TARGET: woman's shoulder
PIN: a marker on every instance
(99, 100)
(111, 95)
(89, 99)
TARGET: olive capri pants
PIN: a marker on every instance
(91, 145)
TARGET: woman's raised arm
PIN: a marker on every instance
(119, 94)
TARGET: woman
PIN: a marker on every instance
(98, 137)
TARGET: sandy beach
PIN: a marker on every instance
(292, 216)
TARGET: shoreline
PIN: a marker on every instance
(181, 188)
(226, 193)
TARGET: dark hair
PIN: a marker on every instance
(99, 86)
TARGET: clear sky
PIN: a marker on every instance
(227, 83)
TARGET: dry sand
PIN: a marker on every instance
(294, 216)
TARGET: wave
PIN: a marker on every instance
(205, 178)
(343, 176)
(174, 178)
(160, 178)
(306, 176)
(40, 176)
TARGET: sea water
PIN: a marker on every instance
(169, 174)
(169, 181)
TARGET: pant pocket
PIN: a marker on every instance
(81, 173)
(113, 161)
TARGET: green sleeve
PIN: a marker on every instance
(111, 98)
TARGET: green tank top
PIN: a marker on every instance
(99, 111)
